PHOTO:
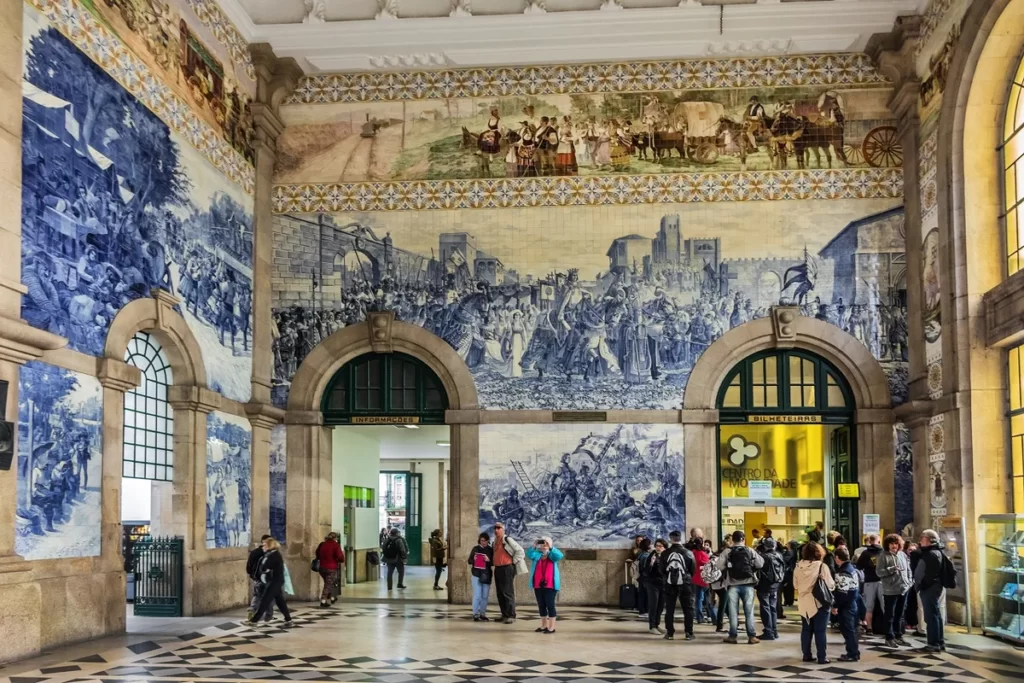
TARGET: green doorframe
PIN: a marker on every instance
(744, 393)
(413, 513)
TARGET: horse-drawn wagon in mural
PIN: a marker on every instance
(689, 128)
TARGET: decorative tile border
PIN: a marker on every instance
(725, 73)
(931, 19)
(106, 49)
(853, 183)
(213, 17)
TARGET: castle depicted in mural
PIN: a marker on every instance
(115, 205)
(545, 320)
(586, 486)
(59, 463)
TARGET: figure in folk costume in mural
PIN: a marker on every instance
(565, 157)
(621, 144)
(755, 120)
(489, 142)
(547, 145)
(526, 154)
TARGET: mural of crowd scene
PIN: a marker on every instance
(592, 307)
(278, 482)
(184, 54)
(115, 204)
(228, 481)
(59, 463)
(586, 486)
(587, 134)
(904, 481)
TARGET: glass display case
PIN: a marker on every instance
(1002, 575)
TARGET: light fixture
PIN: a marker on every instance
(407, 426)
(444, 444)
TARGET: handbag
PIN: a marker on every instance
(822, 595)
(315, 564)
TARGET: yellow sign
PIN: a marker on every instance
(849, 490)
(785, 419)
(386, 420)
(790, 456)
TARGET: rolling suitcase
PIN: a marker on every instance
(627, 593)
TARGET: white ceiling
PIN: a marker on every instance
(406, 444)
(358, 35)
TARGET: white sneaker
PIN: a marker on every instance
(656, 631)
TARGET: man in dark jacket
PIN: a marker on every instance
(395, 553)
(252, 565)
(847, 599)
(677, 565)
(769, 580)
(928, 579)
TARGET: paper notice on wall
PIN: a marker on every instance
(871, 524)
(760, 490)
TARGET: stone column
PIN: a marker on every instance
(700, 471)
(275, 79)
(464, 499)
(263, 418)
(191, 406)
(309, 503)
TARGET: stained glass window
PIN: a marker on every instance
(148, 417)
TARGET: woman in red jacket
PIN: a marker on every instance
(331, 557)
(701, 589)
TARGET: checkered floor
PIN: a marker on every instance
(441, 644)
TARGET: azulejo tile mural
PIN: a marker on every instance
(59, 463)
(115, 204)
(198, 113)
(592, 307)
(278, 482)
(597, 191)
(586, 486)
(739, 127)
(228, 480)
(769, 72)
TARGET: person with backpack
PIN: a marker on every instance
(654, 579)
(934, 574)
(894, 571)
(770, 579)
(481, 561)
(252, 565)
(702, 580)
(739, 566)
(395, 553)
(847, 603)
(678, 567)
(717, 584)
(328, 562)
(438, 549)
(814, 585)
(509, 560)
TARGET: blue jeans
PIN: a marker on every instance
(703, 593)
(746, 594)
(769, 601)
(848, 627)
(481, 593)
(931, 599)
(814, 627)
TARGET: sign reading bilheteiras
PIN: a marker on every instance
(579, 416)
(386, 420)
(785, 419)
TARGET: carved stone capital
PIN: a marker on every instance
(263, 415)
(165, 303)
(276, 78)
(894, 52)
(118, 375)
(378, 326)
(199, 399)
(783, 318)
(914, 413)
(20, 342)
(310, 418)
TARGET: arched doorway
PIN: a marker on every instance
(786, 444)
(390, 471)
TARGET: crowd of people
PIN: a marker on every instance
(882, 587)
(60, 477)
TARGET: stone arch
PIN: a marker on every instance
(326, 359)
(865, 375)
(155, 315)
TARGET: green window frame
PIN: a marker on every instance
(148, 450)
(384, 384)
(779, 382)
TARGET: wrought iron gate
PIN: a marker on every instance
(158, 577)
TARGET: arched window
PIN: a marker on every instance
(1013, 172)
(384, 385)
(785, 381)
(148, 418)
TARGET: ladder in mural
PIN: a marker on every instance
(523, 477)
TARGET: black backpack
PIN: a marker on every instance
(947, 573)
(391, 549)
(773, 571)
(741, 564)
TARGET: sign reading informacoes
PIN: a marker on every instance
(385, 420)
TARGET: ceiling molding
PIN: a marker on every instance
(814, 26)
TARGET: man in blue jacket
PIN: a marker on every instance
(847, 597)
